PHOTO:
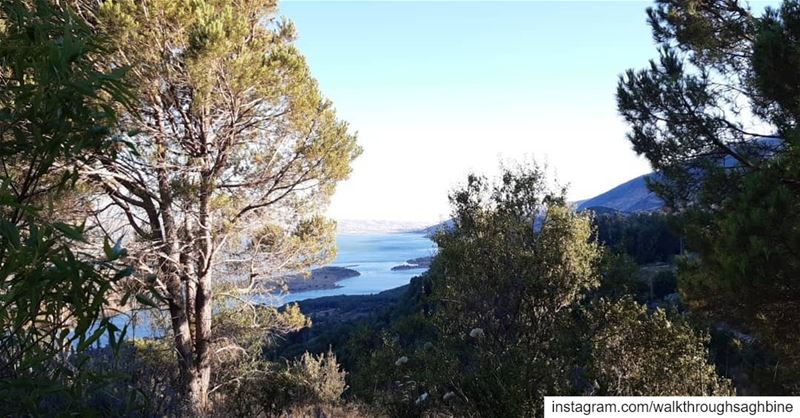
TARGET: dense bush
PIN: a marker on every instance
(636, 353)
(263, 388)
(519, 310)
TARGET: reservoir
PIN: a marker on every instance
(372, 255)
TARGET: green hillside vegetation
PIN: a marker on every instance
(473, 334)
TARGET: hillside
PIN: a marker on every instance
(368, 226)
(631, 196)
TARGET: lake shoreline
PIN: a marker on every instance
(371, 255)
(322, 278)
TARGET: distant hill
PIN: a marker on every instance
(631, 196)
(441, 226)
(634, 196)
(352, 226)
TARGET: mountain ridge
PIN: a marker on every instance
(632, 196)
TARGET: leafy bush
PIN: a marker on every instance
(518, 311)
(273, 389)
(319, 378)
(56, 114)
(636, 353)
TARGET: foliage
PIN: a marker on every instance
(515, 301)
(242, 332)
(320, 378)
(248, 135)
(146, 366)
(235, 154)
(636, 353)
(270, 389)
(513, 267)
(618, 276)
(717, 115)
(243, 382)
(56, 111)
(222, 162)
(646, 237)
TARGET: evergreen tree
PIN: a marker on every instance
(504, 284)
(717, 114)
(234, 156)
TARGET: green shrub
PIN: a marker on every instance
(319, 378)
(637, 353)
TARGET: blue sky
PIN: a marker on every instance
(439, 89)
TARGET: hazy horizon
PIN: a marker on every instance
(440, 89)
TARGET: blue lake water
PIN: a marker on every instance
(372, 255)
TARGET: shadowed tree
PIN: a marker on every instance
(234, 156)
(717, 114)
(56, 112)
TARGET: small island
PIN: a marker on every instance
(414, 263)
(321, 278)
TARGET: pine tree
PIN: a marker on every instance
(234, 155)
(717, 114)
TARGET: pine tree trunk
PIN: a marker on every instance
(197, 391)
(194, 370)
(201, 373)
(199, 385)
